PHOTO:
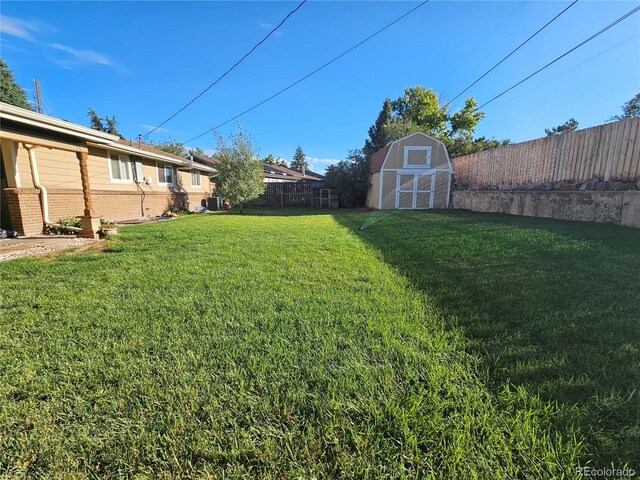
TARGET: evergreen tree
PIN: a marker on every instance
(568, 126)
(377, 137)
(630, 109)
(95, 120)
(299, 160)
(106, 124)
(10, 91)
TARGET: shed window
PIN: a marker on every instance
(119, 168)
(195, 179)
(417, 157)
(165, 174)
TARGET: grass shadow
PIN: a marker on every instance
(549, 305)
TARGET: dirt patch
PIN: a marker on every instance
(21, 247)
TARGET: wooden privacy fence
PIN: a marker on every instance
(606, 152)
(298, 194)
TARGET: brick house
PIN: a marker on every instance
(53, 169)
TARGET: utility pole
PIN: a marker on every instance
(38, 95)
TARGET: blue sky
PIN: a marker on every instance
(142, 61)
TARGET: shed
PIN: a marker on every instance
(411, 173)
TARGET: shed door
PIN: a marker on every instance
(414, 190)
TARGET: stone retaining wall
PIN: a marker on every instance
(589, 206)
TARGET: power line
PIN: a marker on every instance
(612, 24)
(309, 74)
(582, 63)
(512, 52)
(230, 69)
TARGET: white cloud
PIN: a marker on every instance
(269, 26)
(151, 127)
(79, 56)
(22, 28)
(320, 164)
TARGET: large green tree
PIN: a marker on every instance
(631, 109)
(568, 126)
(10, 91)
(241, 174)
(419, 110)
(299, 159)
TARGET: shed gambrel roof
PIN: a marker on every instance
(376, 161)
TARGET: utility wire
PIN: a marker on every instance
(612, 24)
(230, 69)
(580, 64)
(309, 74)
(512, 52)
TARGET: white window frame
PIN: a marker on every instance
(121, 158)
(413, 149)
(165, 166)
(199, 184)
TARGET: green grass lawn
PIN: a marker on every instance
(291, 344)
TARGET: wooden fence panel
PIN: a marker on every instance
(605, 152)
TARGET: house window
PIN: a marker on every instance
(119, 168)
(165, 174)
(417, 157)
(195, 179)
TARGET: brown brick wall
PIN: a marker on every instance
(26, 214)
(24, 210)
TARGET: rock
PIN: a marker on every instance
(589, 184)
(638, 185)
(546, 186)
(567, 186)
(601, 186)
(621, 186)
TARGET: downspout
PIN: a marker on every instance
(44, 199)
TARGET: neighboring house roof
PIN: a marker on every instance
(281, 172)
(204, 160)
(377, 159)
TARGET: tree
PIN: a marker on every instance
(568, 126)
(631, 109)
(95, 121)
(10, 91)
(197, 151)
(299, 160)
(351, 177)
(241, 174)
(271, 160)
(112, 126)
(377, 135)
(171, 146)
(419, 110)
(106, 124)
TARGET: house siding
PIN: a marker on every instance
(373, 194)
(59, 173)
